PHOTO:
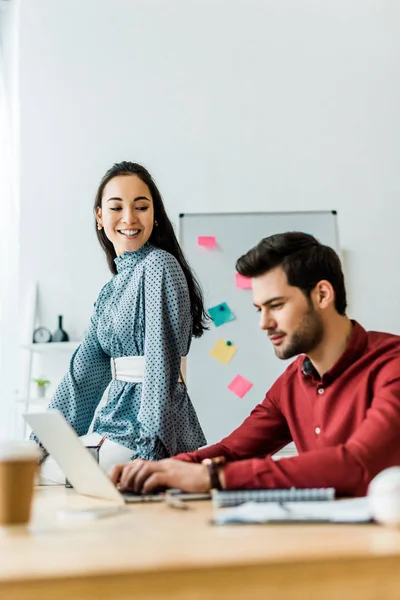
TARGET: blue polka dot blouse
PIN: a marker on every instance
(144, 310)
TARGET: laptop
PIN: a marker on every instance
(79, 466)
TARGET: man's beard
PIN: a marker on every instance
(305, 339)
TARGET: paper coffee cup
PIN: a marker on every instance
(18, 464)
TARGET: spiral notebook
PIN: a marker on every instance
(223, 498)
(352, 510)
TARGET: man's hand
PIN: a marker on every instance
(146, 476)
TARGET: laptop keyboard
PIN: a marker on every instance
(130, 497)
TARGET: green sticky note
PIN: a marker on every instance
(221, 314)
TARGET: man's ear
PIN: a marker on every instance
(324, 294)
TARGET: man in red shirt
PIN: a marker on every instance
(339, 401)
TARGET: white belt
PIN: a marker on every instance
(131, 368)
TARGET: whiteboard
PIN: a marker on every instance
(220, 411)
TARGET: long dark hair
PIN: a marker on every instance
(162, 237)
(304, 260)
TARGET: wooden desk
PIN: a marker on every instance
(154, 551)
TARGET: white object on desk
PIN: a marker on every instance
(384, 497)
(354, 510)
(90, 514)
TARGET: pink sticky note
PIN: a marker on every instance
(240, 386)
(207, 241)
(244, 283)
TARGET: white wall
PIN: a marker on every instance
(9, 214)
(233, 105)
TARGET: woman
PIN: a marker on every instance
(142, 326)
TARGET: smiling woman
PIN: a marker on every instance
(142, 326)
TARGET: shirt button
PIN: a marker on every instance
(321, 391)
(317, 430)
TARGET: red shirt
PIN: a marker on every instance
(346, 425)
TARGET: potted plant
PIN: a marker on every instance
(41, 386)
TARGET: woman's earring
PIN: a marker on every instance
(155, 223)
(99, 227)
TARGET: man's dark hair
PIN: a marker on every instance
(304, 260)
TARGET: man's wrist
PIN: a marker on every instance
(214, 467)
(222, 479)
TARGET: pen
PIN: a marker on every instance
(175, 502)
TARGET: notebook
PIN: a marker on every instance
(223, 498)
(354, 510)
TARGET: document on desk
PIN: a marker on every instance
(354, 510)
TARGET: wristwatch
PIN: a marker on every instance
(214, 465)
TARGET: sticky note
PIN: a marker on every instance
(240, 386)
(223, 351)
(244, 283)
(207, 241)
(221, 314)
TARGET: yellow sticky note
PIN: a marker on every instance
(223, 351)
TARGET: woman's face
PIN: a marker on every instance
(126, 213)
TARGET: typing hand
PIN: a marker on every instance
(144, 476)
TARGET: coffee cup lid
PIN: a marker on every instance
(11, 450)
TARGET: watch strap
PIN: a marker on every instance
(214, 466)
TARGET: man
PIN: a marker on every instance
(340, 403)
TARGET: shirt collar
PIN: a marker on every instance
(355, 347)
(128, 260)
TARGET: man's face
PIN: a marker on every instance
(292, 322)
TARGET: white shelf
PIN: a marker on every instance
(50, 347)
